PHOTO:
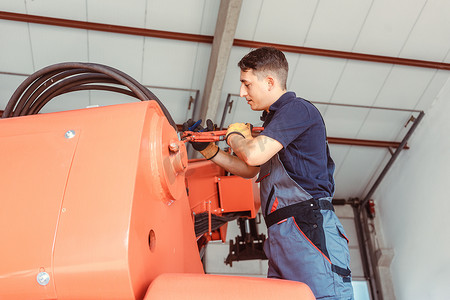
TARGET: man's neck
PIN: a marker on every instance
(276, 95)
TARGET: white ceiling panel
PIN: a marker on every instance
(125, 13)
(124, 54)
(178, 16)
(376, 172)
(314, 77)
(53, 45)
(15, 48)
(67, 9)
(447, 58)
(383, 124)
(13, 6)
(356, 170)
(69, 101)
(8, 85)
(284, 21)
(209, 19)
(248, 19)
(360, 82)
(336, 24)
(387, 26)
(168, 63)
(430, 94)
(338, 154)
(431, 31)
(404, 87)
(198, 78)
(345, 122)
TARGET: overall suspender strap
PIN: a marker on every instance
(292, 210)
(296, 209)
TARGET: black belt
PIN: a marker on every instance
(292, 210)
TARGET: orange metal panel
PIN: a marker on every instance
(201, 286)
(202, 185)
(207, 182)
(102, 211)
(239, 194)
(35, 168)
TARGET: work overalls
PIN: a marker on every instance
(306, 242)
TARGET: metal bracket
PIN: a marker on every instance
(411, 119)
(230, 106)
(191, 100)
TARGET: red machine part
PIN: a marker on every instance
(94, 206)
(210, 136)
(371, 208)
(93, 201)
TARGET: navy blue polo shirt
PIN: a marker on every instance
(298, 125)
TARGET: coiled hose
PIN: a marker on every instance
(42, 86)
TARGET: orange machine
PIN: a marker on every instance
(95, 205)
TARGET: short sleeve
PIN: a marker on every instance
(288, 122)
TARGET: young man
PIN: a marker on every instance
(306, 242)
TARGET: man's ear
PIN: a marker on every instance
(270, 82)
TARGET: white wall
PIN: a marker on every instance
(413, 205)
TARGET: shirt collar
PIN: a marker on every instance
(279, 103)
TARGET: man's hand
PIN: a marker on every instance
(207, 149)
(242, 129)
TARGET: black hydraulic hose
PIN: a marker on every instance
(37, 83)
(45, 90)
(30, 83)
(98, 88)
(36, 108)
(67, 83)
(35, 87)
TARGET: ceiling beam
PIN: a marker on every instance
(227, 21)
(366, 143)
(209, 39)
(347, 55)
(106, 27)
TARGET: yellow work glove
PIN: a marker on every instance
(242, 129)
(210, 151)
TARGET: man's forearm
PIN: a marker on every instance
(255, 151)
(235, 165)
(240, 147)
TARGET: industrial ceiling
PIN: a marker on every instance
(369, 65)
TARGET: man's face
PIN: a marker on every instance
(254, 90)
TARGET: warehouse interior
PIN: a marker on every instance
(378, 71)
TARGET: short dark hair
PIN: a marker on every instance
(266, 59)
